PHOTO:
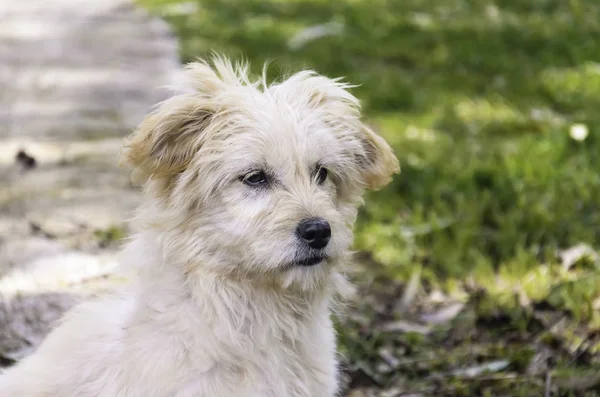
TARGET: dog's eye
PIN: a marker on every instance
(255, 178)
(321, 175)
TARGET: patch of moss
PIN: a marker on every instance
(112, 235)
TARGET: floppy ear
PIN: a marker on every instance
(166, 140)
(378, 162)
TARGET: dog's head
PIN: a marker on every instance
(256, 179)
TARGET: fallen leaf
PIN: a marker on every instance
(571, 256)
(410, 292)
(492, 366)
(444, 315)
(578, 381)
(406, 326)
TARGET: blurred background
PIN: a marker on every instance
(477, 267)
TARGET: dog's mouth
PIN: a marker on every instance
(309, 260)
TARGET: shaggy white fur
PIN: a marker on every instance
(228, 300)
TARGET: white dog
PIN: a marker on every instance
(251, 192)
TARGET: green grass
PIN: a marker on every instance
(478, 98)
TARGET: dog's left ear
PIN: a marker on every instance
(377, 162)
(166, 140)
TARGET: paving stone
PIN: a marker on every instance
(75, 78)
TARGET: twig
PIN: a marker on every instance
(548, 384)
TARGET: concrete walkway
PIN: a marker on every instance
(75, 77)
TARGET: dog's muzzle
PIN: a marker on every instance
(314, 235)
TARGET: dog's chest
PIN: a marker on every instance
(295, 362)
(299, 368)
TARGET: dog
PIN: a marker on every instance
(251, 192)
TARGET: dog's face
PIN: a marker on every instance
(258, 180)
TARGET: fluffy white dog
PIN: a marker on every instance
(251, 194)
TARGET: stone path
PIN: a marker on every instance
(74, 79)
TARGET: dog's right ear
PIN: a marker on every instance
(166, 140)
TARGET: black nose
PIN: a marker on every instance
(315, 232)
